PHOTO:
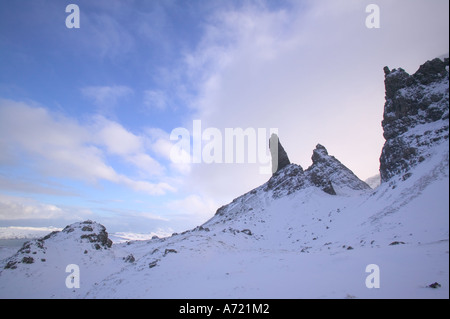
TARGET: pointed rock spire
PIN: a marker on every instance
(280, 158)
(331, 175)
(319, 154)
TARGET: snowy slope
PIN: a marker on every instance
(303, 234)
(266, 246)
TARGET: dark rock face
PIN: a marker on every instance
(129, 259)
(412, 101)
(326, 173)
(329, 174)
(317, 172)
(95, 233)
(434, 285)
(280, 158)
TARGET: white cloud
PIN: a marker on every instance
(314, 71)
(159, 142)
(193, 207)
(131, 147)
(60, 147)
(116, 138)
(22, 208)
(146, 164)
(160, 188)
(25, 232)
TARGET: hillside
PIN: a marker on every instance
(303, 234)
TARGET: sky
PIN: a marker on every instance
(106, 121)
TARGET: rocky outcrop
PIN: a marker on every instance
(331, 175)
(91, 232)
(326, 173)
(280, 158)
(82, 237)
(415, 116)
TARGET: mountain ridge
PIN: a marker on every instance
(302, 234)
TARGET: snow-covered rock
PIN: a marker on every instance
(332, 176)
(416, 116)
(86, 236)
(303, 234)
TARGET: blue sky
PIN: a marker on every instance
(86, 114)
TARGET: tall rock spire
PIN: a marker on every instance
(280, 158)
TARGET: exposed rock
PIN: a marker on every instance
(49, 235)
(11, 264)
(87, 232)
(326, 173)
(129, 259)
(394, 243)
(87, 228)
(28, 260)
(98, 237)
(201, 228)
(434, 285)
(280, 158)
(411, 102)
(286, 181)
(168, 251)
(331, 175)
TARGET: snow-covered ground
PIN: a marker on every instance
(306, 244)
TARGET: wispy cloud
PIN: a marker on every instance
(57, 146)
(193, 207)
(34, 186)
(154, 99)
(23, 208)
(106, 98)
(130, 147)
(105, 36)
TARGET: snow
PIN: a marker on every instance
(123, 237)
(293, 245)
(373, 181)
(18, 232)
